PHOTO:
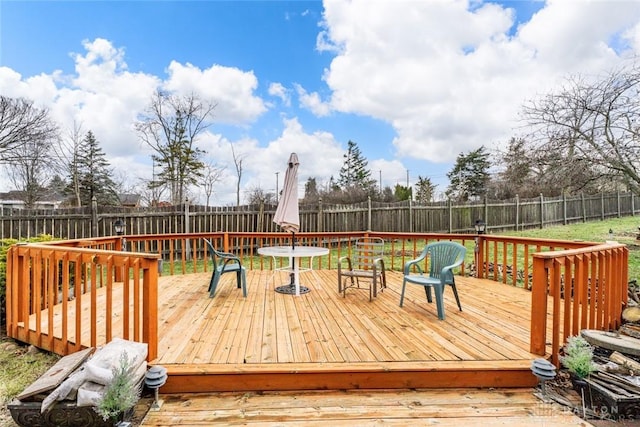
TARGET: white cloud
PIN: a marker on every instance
(279, 91)
(229, 88)
(312, 102)
(450, 79)
(319, 153)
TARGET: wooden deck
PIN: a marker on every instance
(322, 341)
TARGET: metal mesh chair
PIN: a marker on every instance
(364, 266)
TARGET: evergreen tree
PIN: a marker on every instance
(425, 190)
(311, 193)
(469, 176)
(402, 193)
(94, 174)
(354, 174)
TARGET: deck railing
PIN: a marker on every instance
(44, 281)
(589, 289)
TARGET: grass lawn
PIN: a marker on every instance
(624, 230)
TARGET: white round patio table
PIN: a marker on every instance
(294, 254)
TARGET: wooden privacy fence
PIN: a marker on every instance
(407, 217)
(587, 280)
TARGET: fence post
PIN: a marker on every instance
(633, 207)
(94, 217)
(619, 207)
(411, 215)
(320, 216)
(517, 211)
(584, 208)
(602, 205)
(369, 213)
(260, 216)
(187, 230)
(541, 211)
(486, 210)
(451, 214)
(564, 208)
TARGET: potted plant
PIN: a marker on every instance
(121, 394)
(578, 358)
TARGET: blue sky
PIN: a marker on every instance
(413, 82)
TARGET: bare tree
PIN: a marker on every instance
(237, 161)
(20, 123)
(171, 127)
(29, 170)
(211, 175)
(590, 130)
(258, 196)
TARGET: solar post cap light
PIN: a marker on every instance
(154, 378)
(544, 371)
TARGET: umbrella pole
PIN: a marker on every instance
(293, 260)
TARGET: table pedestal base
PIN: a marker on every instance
(291, 289)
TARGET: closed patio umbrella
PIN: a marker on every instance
(287, 214)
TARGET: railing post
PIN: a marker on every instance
(479, 253)
(150, 309)
(539, 307)
(225, 242)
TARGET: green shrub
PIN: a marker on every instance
(121, 394)
(578, 358)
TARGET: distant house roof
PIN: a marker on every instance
(129, 200)
(15, 199)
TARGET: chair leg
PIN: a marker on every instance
(213, 276)
(427, 290)
(404, 284)
(373, 293)
(439, 290)
(244, 283)
(214, 285)
(455, 293)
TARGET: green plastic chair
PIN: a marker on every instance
(224, 262)
(443, 258)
